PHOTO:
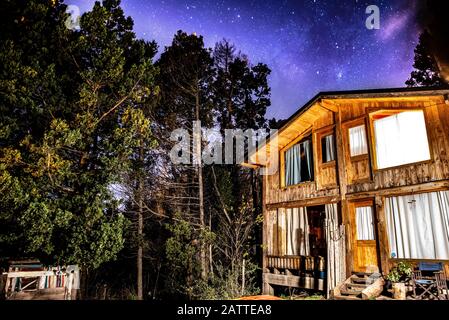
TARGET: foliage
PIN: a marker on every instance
(182, 250)
(426, 71)
(400, 273)
(84, 111)
(226, 283)
(70, 105)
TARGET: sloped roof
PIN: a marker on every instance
(304, 117)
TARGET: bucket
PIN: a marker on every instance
(309, 282)
(320, 262)
(320, 284)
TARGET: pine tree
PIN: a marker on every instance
(186, 71)
(426, 71)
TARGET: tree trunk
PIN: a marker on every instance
(84, 273)
(140, 230)
(243, 276)
(197, 136)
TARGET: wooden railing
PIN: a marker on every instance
(284, 262)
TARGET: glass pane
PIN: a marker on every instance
(364, 222)
(328, 148)
(401, 139)
(299, 163)
(357, 140)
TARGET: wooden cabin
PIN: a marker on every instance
(361, 181)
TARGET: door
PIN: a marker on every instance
(364, 237)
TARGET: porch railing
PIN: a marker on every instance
(284, 262)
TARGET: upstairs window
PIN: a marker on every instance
(401, 138)
(357, 141)
(299, 163)
(328, 148)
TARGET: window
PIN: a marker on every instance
(299, 163)
(400, 138)
(418, 226)
(328, 148)
(364, 222)
(357, 141)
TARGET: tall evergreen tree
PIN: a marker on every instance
(426, 73)
(71, 102)
(186, 71)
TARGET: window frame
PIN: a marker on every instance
(372, 135)
(359, 123)
(306, 135)
(320, 136)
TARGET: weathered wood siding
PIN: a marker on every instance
(360, 174)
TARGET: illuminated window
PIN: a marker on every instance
(357, 141)
(401, 138)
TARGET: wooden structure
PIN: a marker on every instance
(350, 182)
(30, 280)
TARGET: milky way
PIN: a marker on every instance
(310, 45)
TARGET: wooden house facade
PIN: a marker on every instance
(362, 182)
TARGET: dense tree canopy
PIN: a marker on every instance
(71, 104)
(85, 177)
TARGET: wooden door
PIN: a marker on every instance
(364, 237)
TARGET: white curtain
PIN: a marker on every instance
(401, 139)
(293, 165)
(307, 145)
(357, 141)
(297, 227)
(418, 226)
(364, 222)
(336, 250)
(329, 148)
(299, 163)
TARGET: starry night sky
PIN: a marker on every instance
(310, 45)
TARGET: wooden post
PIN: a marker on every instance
(267, 289)
(342, 182)
(384, 247)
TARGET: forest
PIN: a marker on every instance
(86, 118)
(85, 172)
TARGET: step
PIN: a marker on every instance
(359, 280)
(346, 298)
(357, 285)
(361, 274)
(350, 292)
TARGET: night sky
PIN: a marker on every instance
(310, 45)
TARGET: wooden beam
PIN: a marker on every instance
(28, 274)
(403, 190)
(249, 165)
(328, 105)
(282, 280)
(304, 202)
